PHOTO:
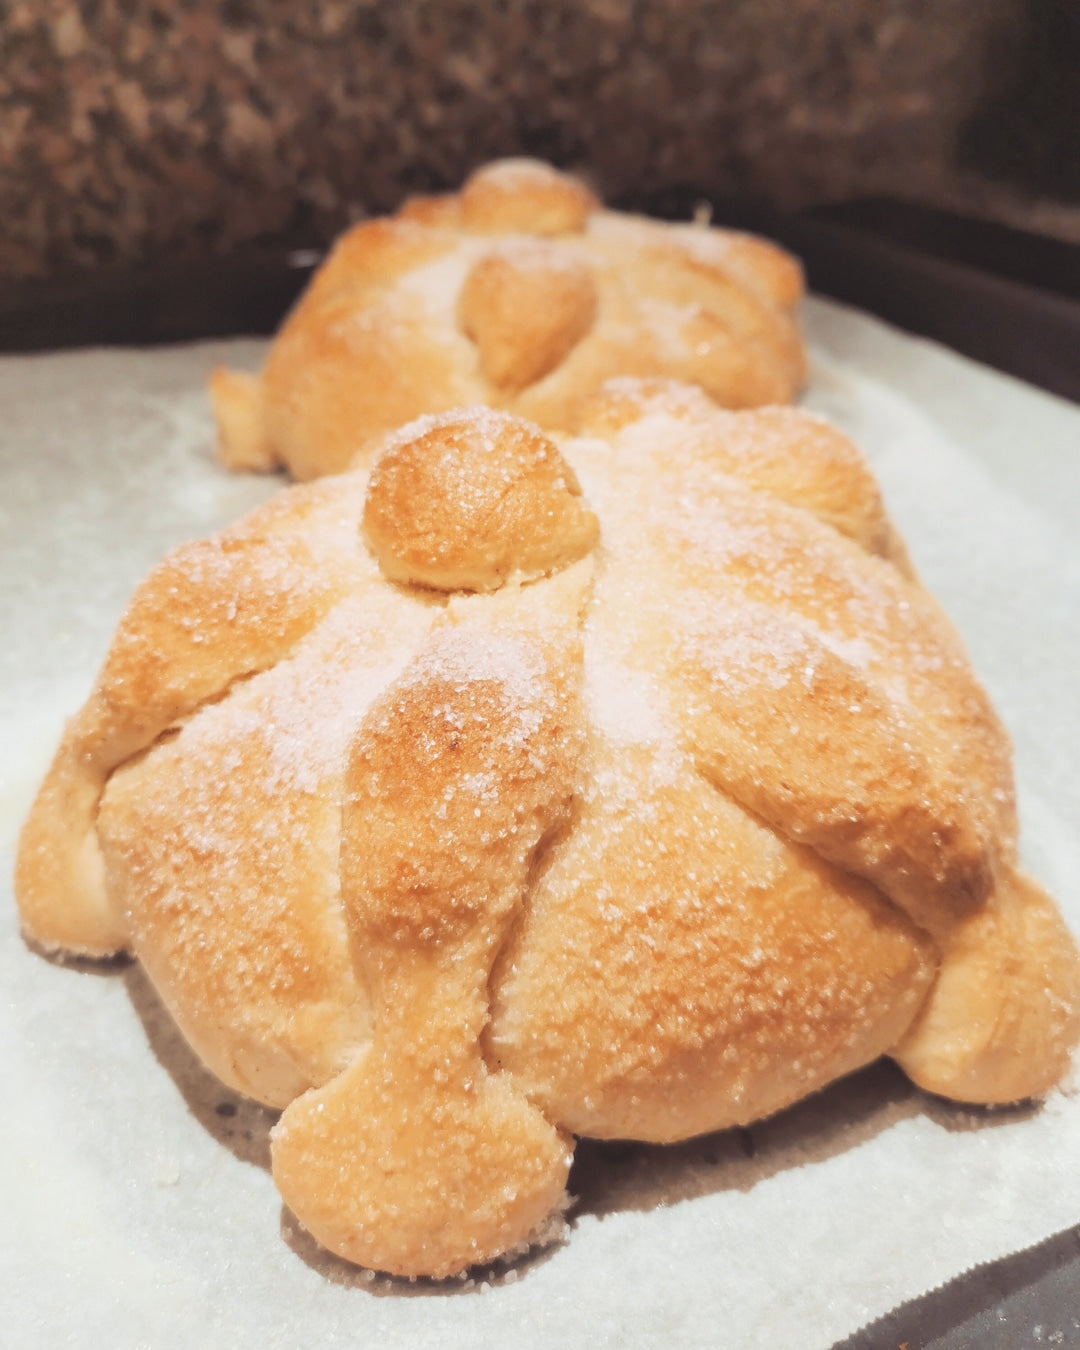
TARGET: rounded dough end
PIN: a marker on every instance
(525, 196)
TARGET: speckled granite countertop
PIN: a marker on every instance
(148, 131)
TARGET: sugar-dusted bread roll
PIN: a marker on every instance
(520, 292)
(625, 785)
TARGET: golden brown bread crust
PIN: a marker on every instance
(457, 774)
(517, 515)
(493, 796)
(212, 612)
(748, 1009)
(520, 292)
(526, 306)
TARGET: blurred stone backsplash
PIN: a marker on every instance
(133, 131)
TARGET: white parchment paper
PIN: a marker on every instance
(136, 1205)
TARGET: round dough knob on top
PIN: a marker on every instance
(468, 500)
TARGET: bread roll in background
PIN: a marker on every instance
(524, 786)
(520, 292)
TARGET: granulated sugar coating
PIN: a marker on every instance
(519, 292)
(646, 817)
